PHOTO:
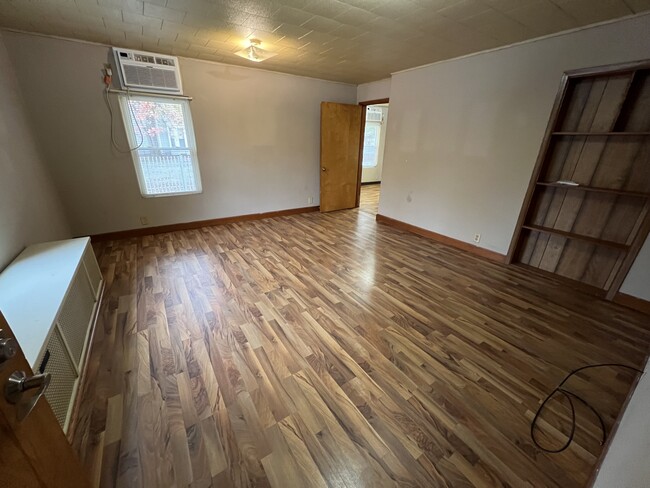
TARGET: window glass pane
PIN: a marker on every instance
(371, 145)
(165, 158)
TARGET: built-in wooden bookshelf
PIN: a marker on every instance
(587, 210)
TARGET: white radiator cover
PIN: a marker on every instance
(49, 296)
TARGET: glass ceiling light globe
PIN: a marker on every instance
(254, 52)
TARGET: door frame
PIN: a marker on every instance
(363, 132)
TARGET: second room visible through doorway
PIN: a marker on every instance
(374, 138)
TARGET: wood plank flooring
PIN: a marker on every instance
(369, 198)
(329, 350)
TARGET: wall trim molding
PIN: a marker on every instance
(633, 302)
(197, 224)
(449, 241)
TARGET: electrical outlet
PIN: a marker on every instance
(477, 237)
(310, 200)
(144, 220)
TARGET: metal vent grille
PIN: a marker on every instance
(59, 393)
(92, 268)
(373, 115)
(147, 76)
(75, 314)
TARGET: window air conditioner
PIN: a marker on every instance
(147, 72)
(374, 115)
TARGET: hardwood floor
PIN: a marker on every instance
(329, 350)
(369, 198)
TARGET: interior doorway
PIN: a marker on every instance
(369, 200)
(371, 153)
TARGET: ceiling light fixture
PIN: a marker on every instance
(255, 53)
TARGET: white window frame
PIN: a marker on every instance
(135, 137)
(375, 162)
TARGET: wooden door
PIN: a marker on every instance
(340, 139)
(34, 452)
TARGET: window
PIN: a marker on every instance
(160, 129)
(371, 144)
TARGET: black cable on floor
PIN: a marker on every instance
(570, 396)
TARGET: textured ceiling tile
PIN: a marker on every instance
(319, 38)
(344, 40)
(295, 3)
(220, 33)
(98, 37)
(116, 36)
(388, 28)
(201, 21)
(141, 20)
(263, 8)
(355, 16)
(163, 33)
(291, 15)
(347, 31)
(134, 6)
(638, 5)
(220, 46)
(585, 12)
(439, 25)
(104, 12)
(498, 26)
(463, 9)
(419, 16)
(89, 22)
(321, 24)
(543, 16)
(364, 4)
(326, 8)
(123, 26)
(394, 10)
(436, 4)
(153, 10)
(292, 31)
(262, 23)
(267, 38)
(506, 5)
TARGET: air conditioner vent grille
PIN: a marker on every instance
(373, 115)
(153, 77)
(147, 72)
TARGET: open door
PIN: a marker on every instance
(340, 137)
(34, 452)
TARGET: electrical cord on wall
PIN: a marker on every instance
(108, 76)
(571, 396)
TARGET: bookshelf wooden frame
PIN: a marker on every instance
(539, 186)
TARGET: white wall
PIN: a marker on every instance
(637, 282)
(374, 173)
(257, 134)
(30, 210)
(376, 90)
(463, 135)
(626, 462)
